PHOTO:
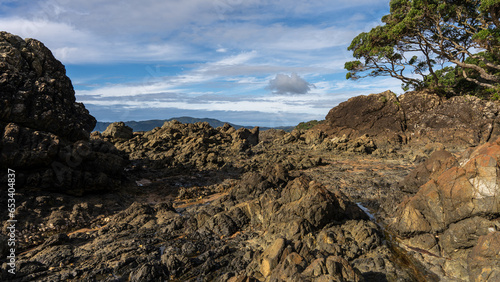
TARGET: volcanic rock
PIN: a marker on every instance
(484, 259)
(118, 131)
(36, 93)
(376, 114)
(179, 146)
(44, 132)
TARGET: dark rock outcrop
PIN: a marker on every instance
(415, 118)
(179, 146)
(36, 93)
(118, 131)
(44, 132)
(376, 115)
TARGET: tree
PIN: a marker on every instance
(420, 39)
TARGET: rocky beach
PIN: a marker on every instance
(386, 188)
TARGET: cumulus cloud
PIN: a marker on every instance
(289, 84)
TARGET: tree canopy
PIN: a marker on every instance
(432, 43)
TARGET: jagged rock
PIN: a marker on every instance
(484, 259)
(460, 202)
(271, 256)
(303, 200)
(148, 272)
(465, 234)
(118, 131)
(314, 136)
(461, 192)
(363, 144)
(291, 266)
(36, 93)
(253, 184)
(44, 132)
(271, 135)
(434, 166)
(243, 139)
(180, 146)
(342, 270)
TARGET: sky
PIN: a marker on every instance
(249, 62)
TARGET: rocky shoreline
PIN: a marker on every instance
(386, 189)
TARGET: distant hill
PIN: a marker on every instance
(147, 125)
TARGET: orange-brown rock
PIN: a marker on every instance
(458, 205)
(435, 165)
(466, 190)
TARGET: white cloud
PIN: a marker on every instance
(56, 33)
(109, 32)
(314, 105)
(236, 60)
(289, 84)
(278, 37)
(72, 45)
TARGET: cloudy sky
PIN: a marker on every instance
(250, 62)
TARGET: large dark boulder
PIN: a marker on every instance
(44, 133)
(118, 131)
(416, 118)
(374, 114)
(36, 93)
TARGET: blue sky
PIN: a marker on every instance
(253, 62)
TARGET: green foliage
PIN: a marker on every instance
(493, 93)
(451, 80)
(437, 34)
(308, 125)
(450, 83)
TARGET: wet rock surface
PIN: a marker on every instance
(385, 190)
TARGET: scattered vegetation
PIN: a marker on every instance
(308, 125)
